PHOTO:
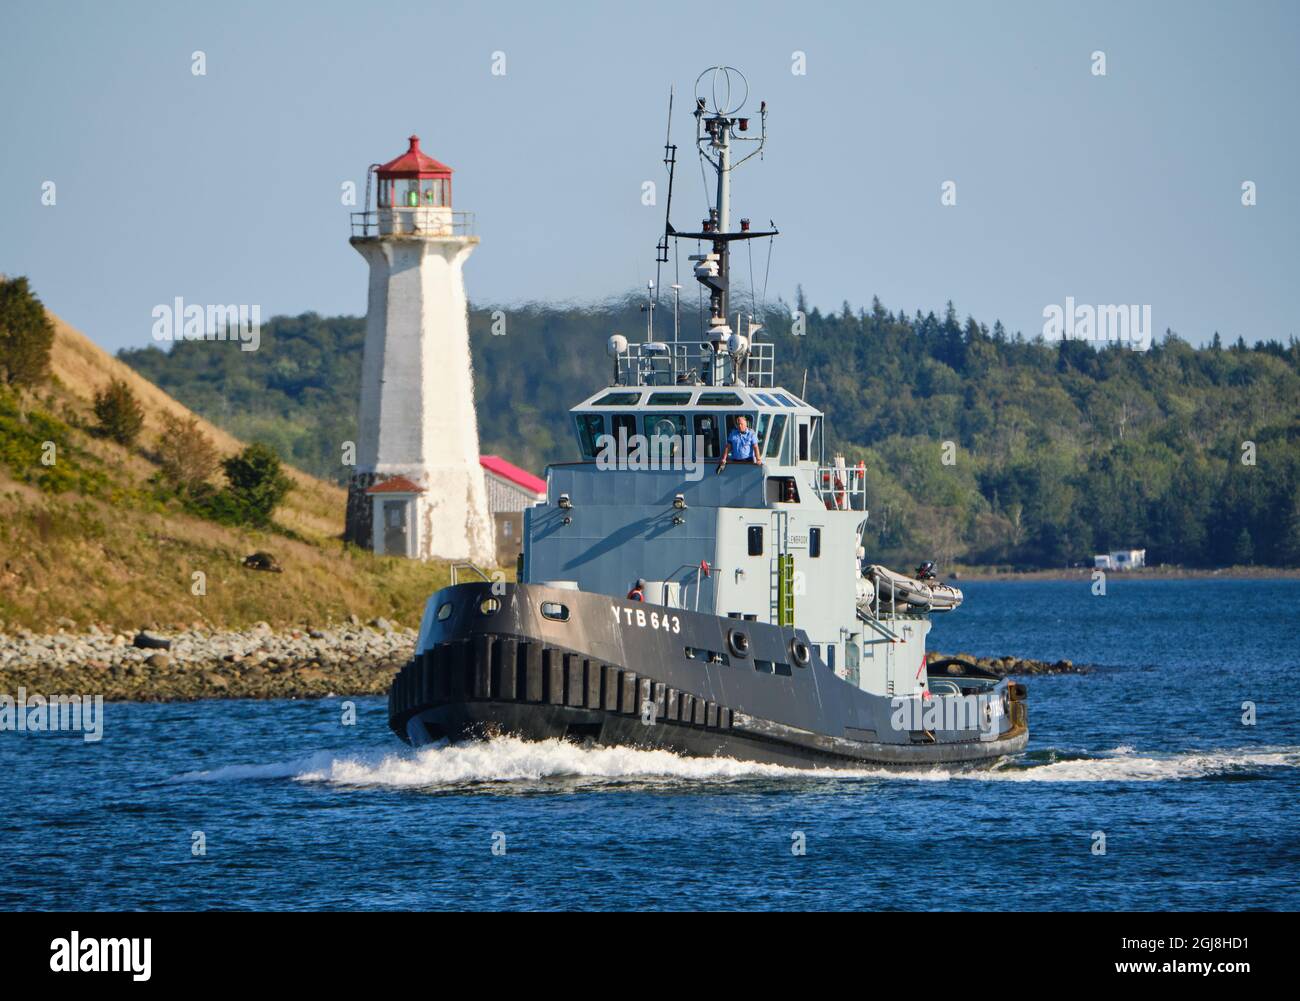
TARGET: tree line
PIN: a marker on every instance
(1055, 450)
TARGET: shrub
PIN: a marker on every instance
(26, 335)
(119, 413)
(257, 483)
(187, 456)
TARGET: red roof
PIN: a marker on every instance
(509, 471)
(396, 485)
(414, 163)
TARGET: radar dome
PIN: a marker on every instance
(616, 345)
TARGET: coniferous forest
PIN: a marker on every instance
(1059, 449)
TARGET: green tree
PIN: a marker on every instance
(119, 413)
(26, 334)
(257, 482)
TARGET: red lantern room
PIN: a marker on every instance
(414, 180)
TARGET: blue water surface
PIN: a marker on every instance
(298, 811)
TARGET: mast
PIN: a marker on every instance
(721, 128)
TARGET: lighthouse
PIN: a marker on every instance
(417, 489)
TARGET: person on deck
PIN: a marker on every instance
(638, 591)
(742, 445)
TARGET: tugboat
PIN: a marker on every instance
(696, 580)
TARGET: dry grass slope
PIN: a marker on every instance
(131, 563)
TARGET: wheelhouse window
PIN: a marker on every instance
(622, 427)
(618, 400)
(731, 421)
(670, 399)
(803, 441)
(720, 400)
(755, 540)
(706, 429)
(771, 429)
(665, 426)
(590, 428)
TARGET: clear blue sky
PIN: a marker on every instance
(225, 188)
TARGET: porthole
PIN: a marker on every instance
(489, 606)
(555, 611)
(444, 611)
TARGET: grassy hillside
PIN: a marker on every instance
(89, 538)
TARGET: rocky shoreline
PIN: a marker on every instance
(257, 663)
(203, 663)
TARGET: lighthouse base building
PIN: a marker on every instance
(418, 490)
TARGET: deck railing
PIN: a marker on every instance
(421, 220)
(690, 363)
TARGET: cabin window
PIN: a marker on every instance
(618, 400)
(830, 656)
(623, 427)
(783, 669)
(731, 422)
(771, 429)
(803, 441)
(706, 429)
(785, 399)
(764, 666)
(670, 399)
(814, 543)
(818, 452)
(720, 400)
(555, 611)
(590, 429)
(668, 426)
(755, 540)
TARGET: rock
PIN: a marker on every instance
(353, 620)
(158, 660)
(316, 634)
(215, 680)
(143, 641)
(65, 622)
(262, 561)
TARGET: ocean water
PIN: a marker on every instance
(298, 811)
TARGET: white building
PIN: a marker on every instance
(509, 491)
(1120, 559)
(418, 489)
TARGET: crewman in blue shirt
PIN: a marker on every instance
(742, 445)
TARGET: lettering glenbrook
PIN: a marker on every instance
(102, 955)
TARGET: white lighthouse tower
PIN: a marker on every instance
(418, 488)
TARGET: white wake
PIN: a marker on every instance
(510, 760)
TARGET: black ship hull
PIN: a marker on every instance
(538, 663)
